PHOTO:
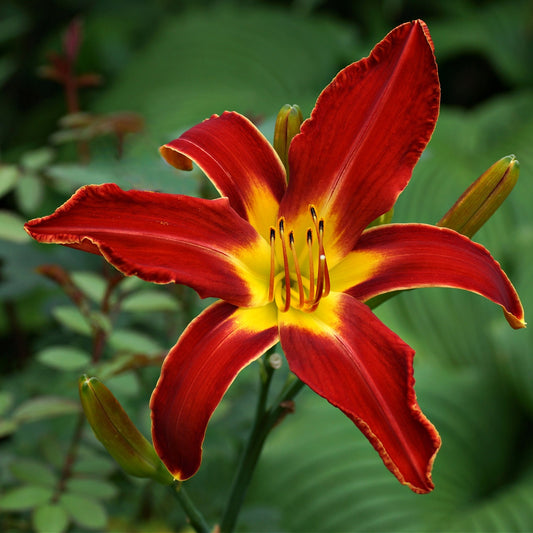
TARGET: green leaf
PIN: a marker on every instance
(9, 175)
(25, 497)
(134, 342)
(71, 318)
(29, 192)
(84, 511)
(32, 471)
(37, 159)
(44, 407)
(6, 401)
(93, 285)
(7, 427)
(149, 300)
(95, 488)
(12, 227)
(50, 518)
(64, 357)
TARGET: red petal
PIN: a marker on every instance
(165, 238)
(345, 354)
(239, 161)
(356, 153)
(213, 349)
(408, 256)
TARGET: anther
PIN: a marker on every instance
(297, 268)
(286, 267)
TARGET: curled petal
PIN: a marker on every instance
(164, 238)
(356, 153)
(213, 349)
(409, 256)
(239, 161)
(345, 354)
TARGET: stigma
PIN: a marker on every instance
(299, 275)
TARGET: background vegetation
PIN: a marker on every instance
(169, 65)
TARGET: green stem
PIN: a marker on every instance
(194, 516)
(265, 420)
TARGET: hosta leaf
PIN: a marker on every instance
(50, 518)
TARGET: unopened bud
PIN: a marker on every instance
(288, 124)
(479, 202)
(115, 430)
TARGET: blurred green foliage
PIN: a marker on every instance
(174, 64)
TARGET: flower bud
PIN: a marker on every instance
(115, 430)
(287, 126)
(479, 202)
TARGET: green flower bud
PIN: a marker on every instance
(115, 430)
(479, 202)
(288, 124)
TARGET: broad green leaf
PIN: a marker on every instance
(50, 518)
(93, 285)
(6, 401)
(133, 341)
(9, 175)
(44, 407)
(25, 497)
(95, 488)
(29, 192)
(7, 427)
(149, 300)
(32, 471)
(12, 227)
(84, 511)
(64, 357)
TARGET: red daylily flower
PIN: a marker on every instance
(292, 262)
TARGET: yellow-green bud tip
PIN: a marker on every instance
(288, 124)
(479, 202)
(115, 430)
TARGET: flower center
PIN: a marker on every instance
(293, 280)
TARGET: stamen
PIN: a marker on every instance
(311, 264)
(272, 264)
(323, 253)
(297, 268)
(286, 267)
